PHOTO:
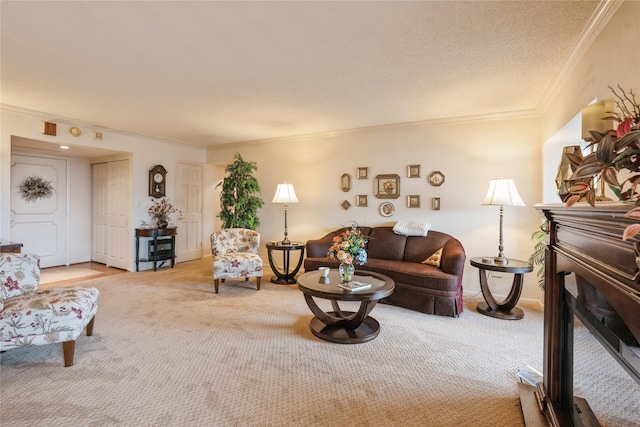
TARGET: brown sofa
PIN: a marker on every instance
(419, 287)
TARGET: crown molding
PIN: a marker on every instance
(600, 18)
(90, 126)
(505, 115)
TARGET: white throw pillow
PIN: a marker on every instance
(411, 228)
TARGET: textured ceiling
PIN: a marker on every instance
(219, 72)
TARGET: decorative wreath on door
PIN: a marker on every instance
(34, 188)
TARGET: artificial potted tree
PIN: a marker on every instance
(238, 199)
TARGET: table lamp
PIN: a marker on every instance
(502, 192)
(285, 194)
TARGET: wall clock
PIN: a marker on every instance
(157, 181)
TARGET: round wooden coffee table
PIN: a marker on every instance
(339, 326)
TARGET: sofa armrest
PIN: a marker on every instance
(453, 257)
(319, 248)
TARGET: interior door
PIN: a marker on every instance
(118, 231)
(189, 202)
(40, 224)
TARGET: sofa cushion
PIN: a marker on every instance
(385, 244)
(434, 258)
(418, 275)
(417, 249)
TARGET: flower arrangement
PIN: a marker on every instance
(616, 158)
(349, 246)
(34, 187)
(161, 210)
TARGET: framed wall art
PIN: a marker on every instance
(363, 173)
(345, 205)
(387, 186)
(361, 200)
(435, 203)
(436, 178)
(413, 171)
(413, 201)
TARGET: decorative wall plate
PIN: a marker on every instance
(387, 209)
(75, 131)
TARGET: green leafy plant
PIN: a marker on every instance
(238, 198)
(538, 255)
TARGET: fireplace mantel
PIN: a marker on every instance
(586, 241)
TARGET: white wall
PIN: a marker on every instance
(468, 153)
(612, 59)
(144, 154)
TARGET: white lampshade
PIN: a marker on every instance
(285, 194)
(502, 192)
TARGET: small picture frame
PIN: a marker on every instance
(435, 203)
(413, 201)
(387, 209)
(387, 186)
(362, 200)
(345, 205)
(413, 171)
(363, 173)
(436, 178)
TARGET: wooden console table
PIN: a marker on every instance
(586, 241)
(7, 246)
(157, 255)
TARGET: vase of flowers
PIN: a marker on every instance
(349, 247)
(160, 212)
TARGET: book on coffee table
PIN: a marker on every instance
(354, 286)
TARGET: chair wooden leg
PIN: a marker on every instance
(68, 348)
(216, 283)
(258, 279)
(90, 326)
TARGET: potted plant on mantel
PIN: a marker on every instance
(616, 163)
(238, 198)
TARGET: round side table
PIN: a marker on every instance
(285, 277)
(506, 309)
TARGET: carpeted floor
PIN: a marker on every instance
(167, 351)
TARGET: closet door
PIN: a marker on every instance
(118, 230)
(111, 214)
(100, 214)
(189, 196)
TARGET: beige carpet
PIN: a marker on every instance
(167, 351)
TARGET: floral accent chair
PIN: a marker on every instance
(235, 255)
(29, 316)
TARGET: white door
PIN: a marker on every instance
(118, 231)
(100, 214)
(40, 224)
(189, 239)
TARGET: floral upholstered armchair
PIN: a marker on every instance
(235, 255)
(29, 316)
